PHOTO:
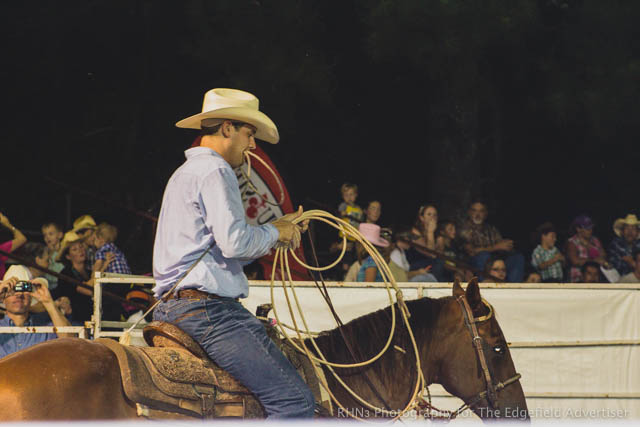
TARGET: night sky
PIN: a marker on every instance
(530, 105)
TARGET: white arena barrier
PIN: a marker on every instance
(577, 346)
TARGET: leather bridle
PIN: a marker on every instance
(490, 393)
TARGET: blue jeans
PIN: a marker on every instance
(514, 262)
(239, 344)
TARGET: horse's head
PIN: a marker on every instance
(480, 371)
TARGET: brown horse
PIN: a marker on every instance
(77, 379)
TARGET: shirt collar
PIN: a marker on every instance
(200, 151)
(9, 321)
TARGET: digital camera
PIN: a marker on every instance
(23, 286)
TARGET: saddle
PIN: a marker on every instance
(174, 378)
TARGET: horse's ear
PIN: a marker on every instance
(457, 289)
(473, 293)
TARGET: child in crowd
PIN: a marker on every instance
(399, 258)
(52, 234)
(353, 214)
(105, 235)
(348, 209)
(546, 258)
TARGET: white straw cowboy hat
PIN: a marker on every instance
(630, 219)
(233, 104)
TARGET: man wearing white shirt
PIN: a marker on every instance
(202, 243)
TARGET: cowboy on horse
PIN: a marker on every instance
(202, 242)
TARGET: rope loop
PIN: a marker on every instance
(301, 328)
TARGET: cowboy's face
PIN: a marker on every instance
(630, 233)
(52, 237)
(478, 213)
(242, 140)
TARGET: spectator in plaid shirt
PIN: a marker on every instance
(624, 244)
(105, 235)
(481, 240)
(547, 258)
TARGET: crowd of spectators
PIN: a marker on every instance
(55, 299)
(434, 249)
(431, 249)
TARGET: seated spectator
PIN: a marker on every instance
(361, 255)
(368, 270)
(624, 243)
(481, 240)
(73, 255)
(372, 212)
(17, 314)
(446, 244)
(582, 247)
(104, 236)
(9, 246)
(590, 272)
(547, 258)
(634, 276)
(423, 234)
(84, 227)
(52, 234)
(495, 267)
(398, 258)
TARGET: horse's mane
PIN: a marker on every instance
(368, 334)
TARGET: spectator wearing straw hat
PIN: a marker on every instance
(85, 226)
(73, 255)
(17, 305)
(624, 244)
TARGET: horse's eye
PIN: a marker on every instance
(499, 349)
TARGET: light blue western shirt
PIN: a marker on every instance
(202, 211)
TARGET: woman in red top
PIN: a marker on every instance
(18, 240)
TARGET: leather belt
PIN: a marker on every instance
(195, 294)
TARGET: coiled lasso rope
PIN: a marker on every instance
(281, 259)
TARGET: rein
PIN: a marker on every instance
(490, 393)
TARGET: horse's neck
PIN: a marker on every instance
(368, 334)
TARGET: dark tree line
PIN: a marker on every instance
(529, 104)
